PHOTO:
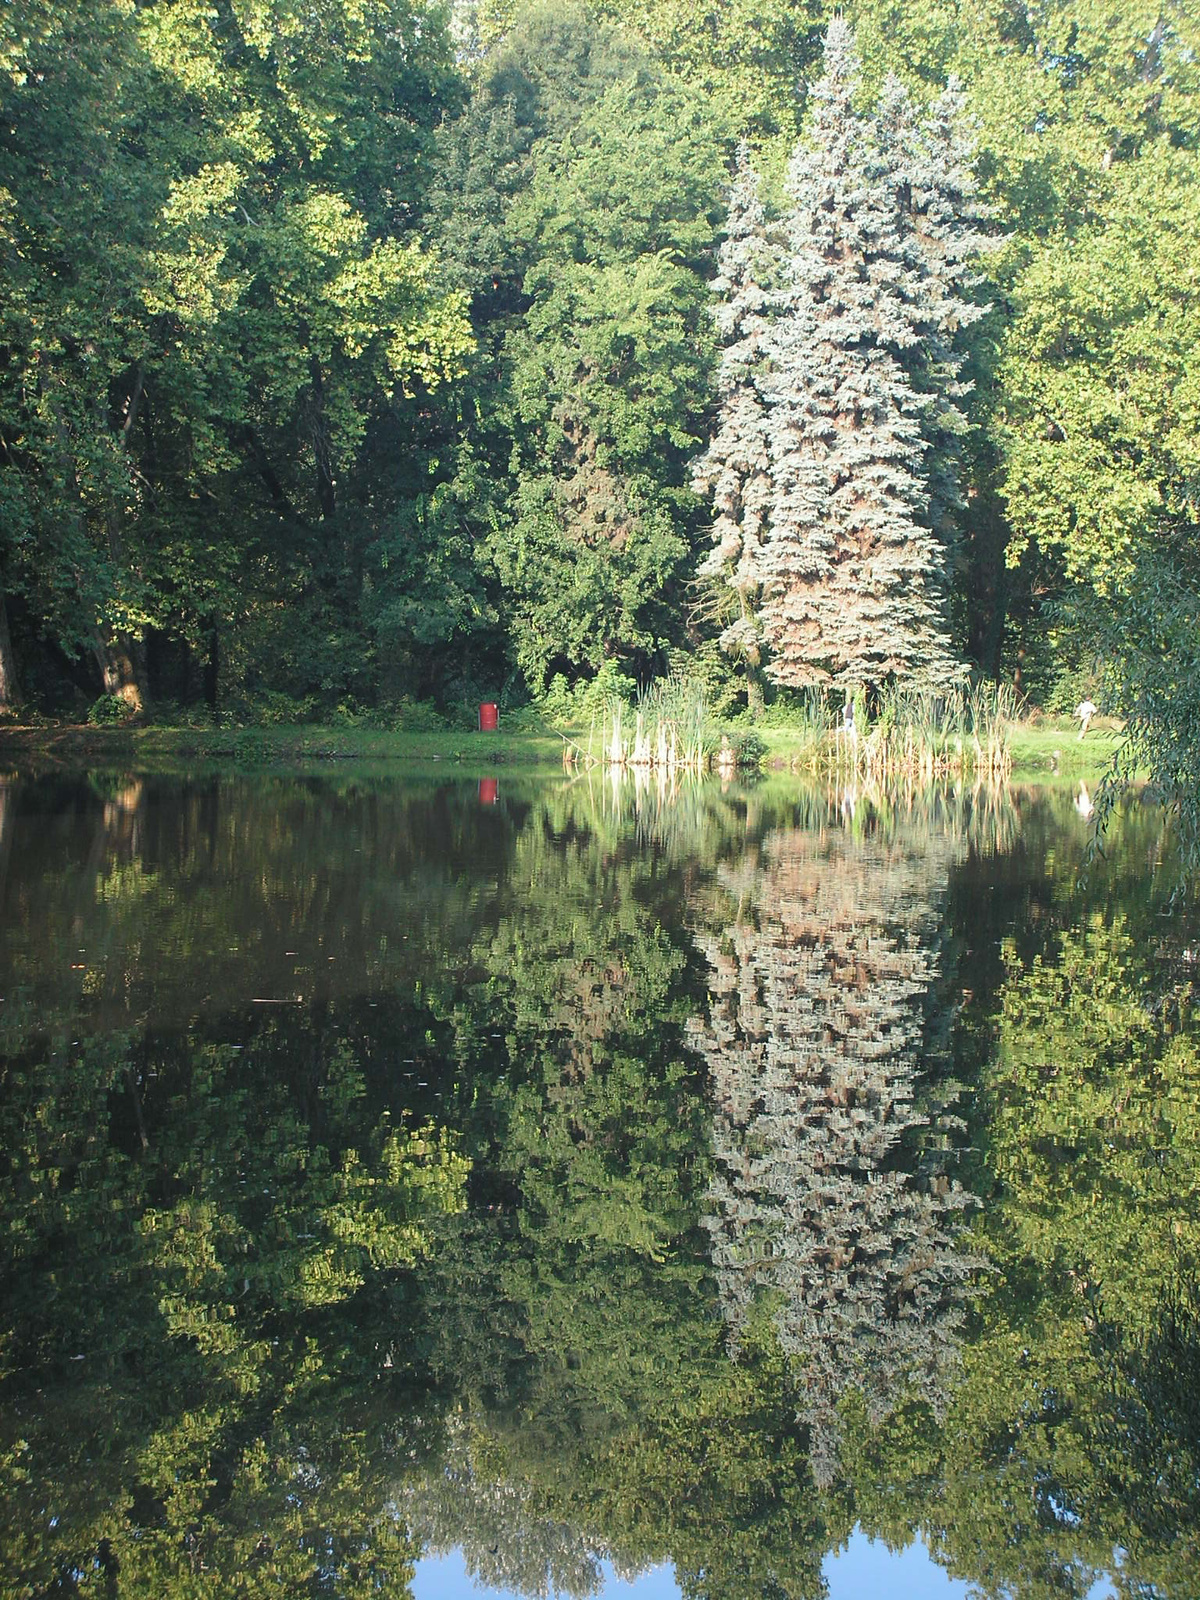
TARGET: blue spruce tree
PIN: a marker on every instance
(736, 468)
(834, 468)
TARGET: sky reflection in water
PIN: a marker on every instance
(865, 1568)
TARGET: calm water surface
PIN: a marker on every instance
(558, 1189)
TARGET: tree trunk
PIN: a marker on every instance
(7, 809)
(755, 703)
(123, 658)
(10, 693)
(212, 666)
(122, 664)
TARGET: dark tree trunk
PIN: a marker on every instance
(122, 658)
(212, 666)
(6, 832)
(10, 693)
(122, 664)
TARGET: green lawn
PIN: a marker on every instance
(1053, 747)
(304, 747)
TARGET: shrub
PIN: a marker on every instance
(415, 716)
(109, 711)
(748, 747)
(573, 705)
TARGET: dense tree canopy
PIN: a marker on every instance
(215, 297)
(360, 353)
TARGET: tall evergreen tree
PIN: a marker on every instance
(736, 468)
(853, 573)
(939, 222)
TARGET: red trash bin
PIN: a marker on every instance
(489, 716)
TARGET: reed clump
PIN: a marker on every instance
(668, 731)
(922, 734)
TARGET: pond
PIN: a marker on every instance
(545, 1186)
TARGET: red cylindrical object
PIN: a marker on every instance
(489, 791)
(489, 716)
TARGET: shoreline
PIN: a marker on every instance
(1045, 751)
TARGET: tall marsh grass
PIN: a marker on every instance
(669, 730)
(923, 733)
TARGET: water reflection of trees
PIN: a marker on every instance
(1076, 1431)
(572, 1309)
(289, 1327)
(140, 899)
(821, 989)
(132, 901)
(685, 815)
(200, 1301)
(508, 1537)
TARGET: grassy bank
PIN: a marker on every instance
(303, 748)
(1047, 748)
(1040, 748)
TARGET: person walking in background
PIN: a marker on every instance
(1085, 711)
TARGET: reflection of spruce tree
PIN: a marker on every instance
(818, 1003)
(571, 1316)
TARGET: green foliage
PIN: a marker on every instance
(250, 450)
(1155, 642)
(1100, 406)
(749, 57)
(109, 711)
(605, 374)
(586, 701)
(216, 1222)
(1087, 125)
(1073, 1396)
(357, 352)
(215, 303)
